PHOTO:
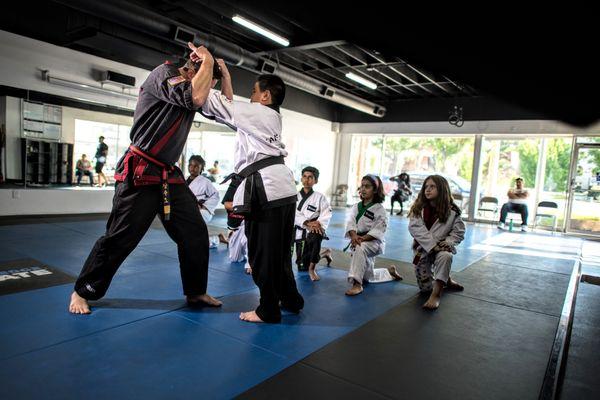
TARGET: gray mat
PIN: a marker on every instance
(469, 349)
(524, 288)
(581, 373)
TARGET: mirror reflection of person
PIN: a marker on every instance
(213, 172)
(517, 203)
(84, 167)
(101, 153)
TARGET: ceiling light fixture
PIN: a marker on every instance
(361, 80)
(259, 29)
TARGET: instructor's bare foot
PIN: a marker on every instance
(453, 285)
(205, 299)
(79, 305)
(250, 316)
(394, 273)
(355, 289)
(433, 302)
(313, 273)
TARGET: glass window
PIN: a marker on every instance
(556, 177)
(504, 160)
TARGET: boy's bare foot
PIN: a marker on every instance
(250, 316)
(355, 289)
(453, 285)
(394, 273)
(79, 305)
(223, 239)
(312, 272)
(205, 298)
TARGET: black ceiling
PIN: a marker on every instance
(539, 59)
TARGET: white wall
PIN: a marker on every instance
(54, 201)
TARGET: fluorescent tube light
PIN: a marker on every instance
(259, 29)
(361, 80)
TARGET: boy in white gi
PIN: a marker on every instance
(312, 218)
(366, 228)
(266, 195)
(206, 194)
(236, 241)
(437, 228)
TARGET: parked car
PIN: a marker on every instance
(460, 187)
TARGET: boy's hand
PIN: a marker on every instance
(224, 71)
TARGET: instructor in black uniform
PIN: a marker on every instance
(148, 183)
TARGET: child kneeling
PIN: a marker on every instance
(437, 228)
(366, 228)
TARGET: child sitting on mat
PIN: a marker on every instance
(366, 228)
(437, 228)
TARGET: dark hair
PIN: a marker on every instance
(312, 170)
(101, 137)
(519, 179)
(198, 159)
(407, 178)
(444, 202)
(189, 64)
(378, 195)
(274, 85)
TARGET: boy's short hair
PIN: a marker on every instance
(274, 85)
(519, 179)
(312, 170)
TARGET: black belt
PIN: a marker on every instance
(254, 167)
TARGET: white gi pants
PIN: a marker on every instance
(431, 267)
(363, 262)
(238, 245)
(213, 241)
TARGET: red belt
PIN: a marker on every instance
(164, 177)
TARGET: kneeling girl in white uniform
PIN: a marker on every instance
(206, 194)
(437, 228)
(366, 227)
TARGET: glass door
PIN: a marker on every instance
(584, 198)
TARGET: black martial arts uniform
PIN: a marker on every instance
(147, 184)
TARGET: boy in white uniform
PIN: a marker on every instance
(206, 194)
(313, 214)
(266, 195)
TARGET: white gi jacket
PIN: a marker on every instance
(203, 189)
(315, 207)
(258, 137)
(452, 232)
(373, 222)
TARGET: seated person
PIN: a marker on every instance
(312, 218)
(84, 167)
(213, 173)
(517, 203)
(205, 192)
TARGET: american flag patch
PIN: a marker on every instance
(176, 80)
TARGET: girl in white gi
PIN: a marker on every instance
(312, 218)
(206, 194)
(437, 228)
(366, 228)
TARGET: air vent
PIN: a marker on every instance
(116, 78)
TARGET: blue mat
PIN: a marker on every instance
(328, 314)
(165, 357)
